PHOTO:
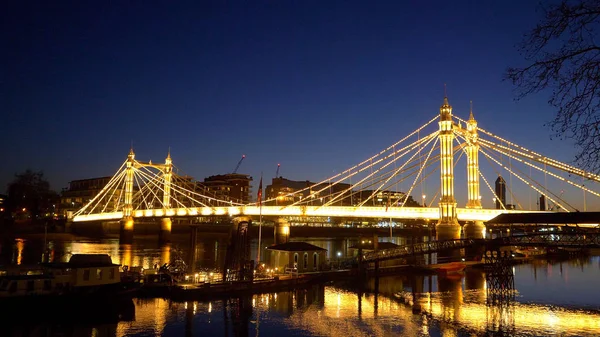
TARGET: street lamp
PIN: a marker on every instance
(424, 204)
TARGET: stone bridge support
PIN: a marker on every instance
(281, 231)
(164, 235)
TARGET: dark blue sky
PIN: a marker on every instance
(314, 85)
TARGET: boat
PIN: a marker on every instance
(85, 279)
(452, 268)
(206, 291)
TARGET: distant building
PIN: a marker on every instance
(188, 189)
(542, 203)
(3, 198)
(340, 194)
(3, 211)
(80, 192)
(500, 192)
(233, 187)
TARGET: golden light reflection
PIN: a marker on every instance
(527, 317)
(165, 254)
(20, 246)
(126, 255)
(110, 248)
(150, 315)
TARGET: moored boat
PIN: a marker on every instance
(84, 278)
(451, 268)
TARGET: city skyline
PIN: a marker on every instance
(316, 91)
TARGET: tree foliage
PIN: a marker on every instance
(563, 55)
(31, 191)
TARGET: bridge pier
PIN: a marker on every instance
(447, 231)
(126, 230)
(474, 230)
(281, 231)
(164, 235)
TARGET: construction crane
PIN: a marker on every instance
(277, 173)
(239, 163)
(555, 207)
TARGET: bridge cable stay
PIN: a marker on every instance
(546, 173)
(144, 185)
(401, 167)
(148, 184)
(187, 180)
(110, 188)
(210, 198)
(548, 191)
(181, 192)
(510, 178)
(510, 189)
(398, 172)
(111, 197)
(460, 136)
(115, 180)
(410, 148)
(419, 174)
(384, 175)
(120, 197)
(495, 147)
(410, 174)
(145, 182)
(425, 177)
(468, 141)
(308, 188)
(420, 163)
(152, 182)
(520, 178)
(530, 174)
(540, 158)
(534, 181)
(96, 201)
(427, 139)
(299, 192)
(544, 170)
(342, 195)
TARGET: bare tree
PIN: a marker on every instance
(563, 51)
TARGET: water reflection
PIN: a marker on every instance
(447, 306)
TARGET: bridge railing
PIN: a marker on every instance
(417, 248)
(588, 239)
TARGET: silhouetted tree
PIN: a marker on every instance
(564, 57)
(30, 191)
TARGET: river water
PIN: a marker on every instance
(552, 298)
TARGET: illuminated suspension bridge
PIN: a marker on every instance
(366, 190)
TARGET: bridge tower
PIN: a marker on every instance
(126, 235)
(473, 230)
(447, 227)
(165, 223)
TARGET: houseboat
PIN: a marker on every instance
(85, 277)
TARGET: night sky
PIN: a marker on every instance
(314, 85)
